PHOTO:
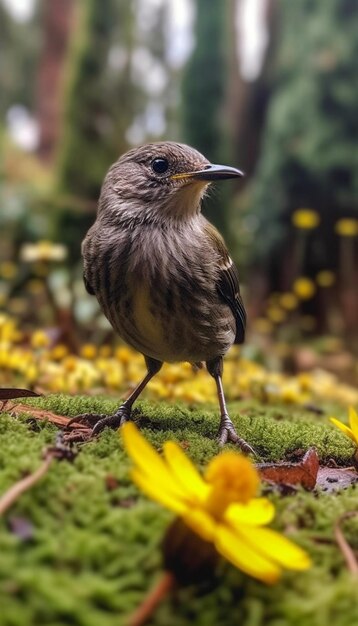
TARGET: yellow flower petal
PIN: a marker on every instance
(155, 491)
(200, 522)
(235, 549)
(255, 513)
(353, 422)
(345, 429)
(149, 461)
(275, 546)
(184, 471)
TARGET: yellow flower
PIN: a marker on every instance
(351, 432)
(40, 339)
(289, 301)
(105, 351)
(347, 227)
(43, 251)
(325, 278)
(305, 219)
(304, 288)
(221, 507)
(88, 351)
(276, 314)
(59, 352)
(262, 325)
(8, 270)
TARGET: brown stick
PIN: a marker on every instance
(12, 494)
(152, 600)
(344, 546)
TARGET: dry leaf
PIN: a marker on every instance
(303, 473)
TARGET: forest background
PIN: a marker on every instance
(265, 85)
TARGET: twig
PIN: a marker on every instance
(12, 494)
(59, 451)
(152, 600)
(343, 544)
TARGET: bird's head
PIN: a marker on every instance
(158, 181)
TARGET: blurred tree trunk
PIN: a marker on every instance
(248, 100)
(204, 121)
(57, 20)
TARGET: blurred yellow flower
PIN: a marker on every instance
(59, 352)
(8, 270)
(351, 432)
(262, 325)
(35, 286)
(222, 508)
(43, 251)
(124, 354)
(88, 351)
(304, 288)
(69, 363)
(306, 219)
(347, 227)
(289, 301)
(40, 339)
(325, 278)
(276, 314)
(105, 351)
(17, 306)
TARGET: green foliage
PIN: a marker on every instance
(94, 550)
(309, 144)
(204, 82)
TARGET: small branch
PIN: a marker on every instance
(12, 494)
(152, 600)
(343, 544)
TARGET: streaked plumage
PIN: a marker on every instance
(160, 271)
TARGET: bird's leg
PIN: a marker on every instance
(227, 432)
(123, 414)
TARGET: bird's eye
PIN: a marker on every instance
(160, 166)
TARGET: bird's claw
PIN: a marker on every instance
(228, 434)
(112, 421)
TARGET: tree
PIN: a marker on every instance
(308, 157)
(57, 20)
(204, 93)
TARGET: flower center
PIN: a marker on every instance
(232, 478)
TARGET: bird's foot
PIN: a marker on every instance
(228, 434)
(99, 421)
(112, 421)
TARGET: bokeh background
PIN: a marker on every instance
(269, 86)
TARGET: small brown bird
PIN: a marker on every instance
(161, 272)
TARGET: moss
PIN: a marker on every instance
(94, 551)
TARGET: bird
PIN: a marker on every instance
(161, 271)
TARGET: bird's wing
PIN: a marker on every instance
(228, 283)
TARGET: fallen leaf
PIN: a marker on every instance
(303, 473)
(336, 478)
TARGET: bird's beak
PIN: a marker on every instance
(211, 172)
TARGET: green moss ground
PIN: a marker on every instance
(93, 551)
